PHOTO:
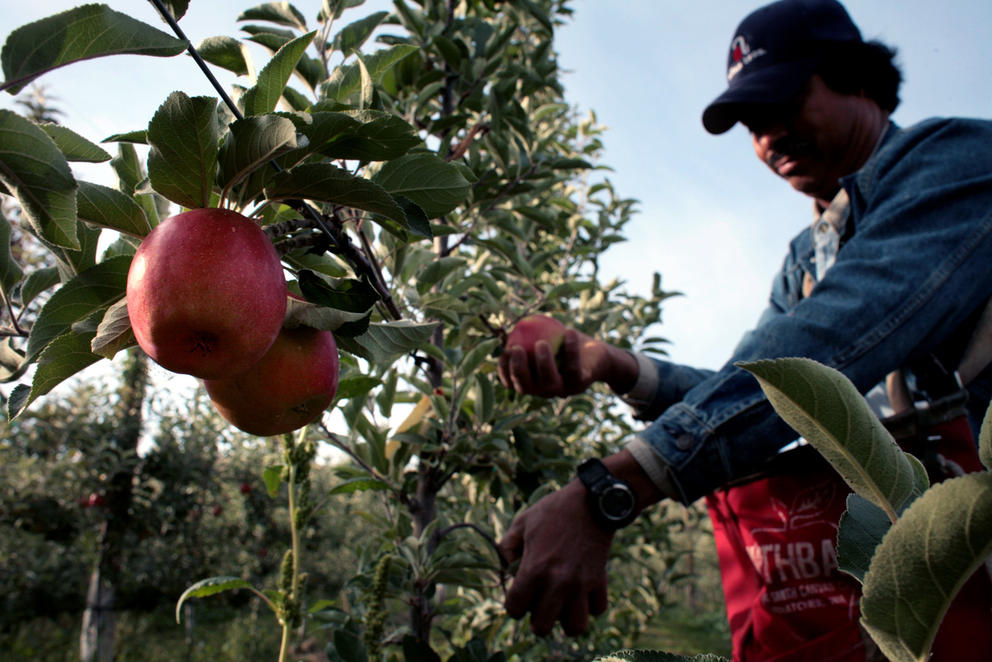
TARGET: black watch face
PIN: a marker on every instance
(616, 502)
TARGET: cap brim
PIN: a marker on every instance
(768, 85)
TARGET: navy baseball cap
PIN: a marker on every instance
(774, 52)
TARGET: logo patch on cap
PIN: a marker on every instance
(741, 55)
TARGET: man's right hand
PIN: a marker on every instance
(581, 361)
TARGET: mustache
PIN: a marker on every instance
(787, 146)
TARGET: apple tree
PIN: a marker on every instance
(425, 184)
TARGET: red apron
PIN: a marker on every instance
(786, 599)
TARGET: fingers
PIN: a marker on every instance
(537, 377)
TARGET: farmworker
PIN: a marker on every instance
(887, 285)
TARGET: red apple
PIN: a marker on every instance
(206, 293)
(537, 327)
(288, 388)
(246, 488)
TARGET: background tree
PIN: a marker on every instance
(424, 193)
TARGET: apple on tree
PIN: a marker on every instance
(529, 330)
(206, 295)
(292, 384)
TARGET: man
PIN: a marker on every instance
(890, 280)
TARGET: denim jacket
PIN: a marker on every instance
(913, 272)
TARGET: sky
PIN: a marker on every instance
(711, 219)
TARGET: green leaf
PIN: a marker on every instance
(329, 183)
(476, 356)
(352, 36)
(139, 137)
(251, 143)
(272, 477)
(62, 358)
(436, 271)
(177, 8)
(109, 208)
(208, 587)
(860, 530)
(384, 343)
(436, 186)
(304, 313)
(346, 294)
(352, 387)
(36, 172)
(182, 161)
(374, 136)
(74, 146)
(985, 440)
(347, 80)
(114, 332)
(227, 53)
(37, 282)
(359, 485)
(92, 290)
(823, 406)
(941, 539)
(10, 272)
(263, 97)
(78, 34)
(282, 13)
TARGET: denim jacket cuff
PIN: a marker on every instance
(646, 386)
(656, 468)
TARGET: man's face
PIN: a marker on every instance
(814, 139)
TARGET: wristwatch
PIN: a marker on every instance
(613, 501)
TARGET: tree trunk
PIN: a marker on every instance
(96, 638)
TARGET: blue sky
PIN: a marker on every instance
(712, 220)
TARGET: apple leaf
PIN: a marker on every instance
(213, 586)
(352, 485)
(227, 53)
(182, 161)
(328, 183)
(80, 33)
(139, 137)
(37, 282)
(436, 271)
(355, 386)
(272, 477)
(10, 272)
(346, 294)
(177, 8)
(36, 172)
(922, 562)
(74, 146)
(281, 13)
(822, 405)
(347, 80)
(435, 185)
(352, 36)
(90, 291)
(263, 97)
(304, 313)
(985, 440)
(860, 530)
(251, 143)
(382, 344)
(378, 136)
(62, 358)
(109, 208)
(114, 332)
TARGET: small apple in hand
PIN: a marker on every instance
(206, 294)
(532, 328)
(288, 388)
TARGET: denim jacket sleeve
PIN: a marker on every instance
(914, 267)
